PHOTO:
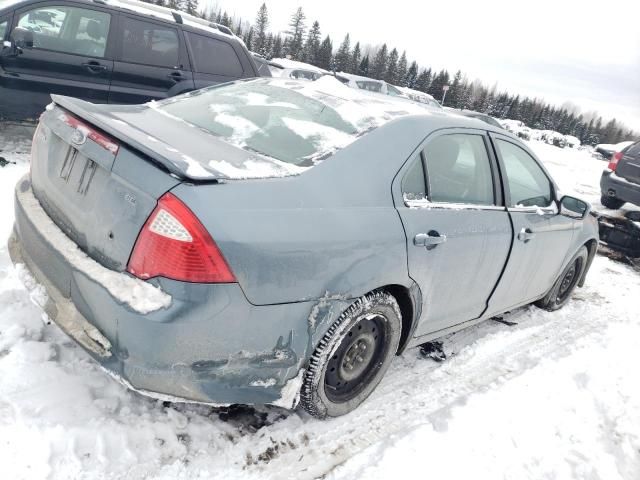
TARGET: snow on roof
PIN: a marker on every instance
(286, 63)
(353, 76)
(164, 13)
(417, 93)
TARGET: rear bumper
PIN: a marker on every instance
(618, 187)
(210, 345)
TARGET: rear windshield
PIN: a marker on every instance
(299, 123)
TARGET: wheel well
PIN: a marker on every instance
(592, 247)
(405, 302)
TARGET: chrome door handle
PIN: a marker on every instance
(429, 240)
(525, 235)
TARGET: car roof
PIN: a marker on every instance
(149, 10)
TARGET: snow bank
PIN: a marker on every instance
(551, 137)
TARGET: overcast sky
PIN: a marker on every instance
(586, 52)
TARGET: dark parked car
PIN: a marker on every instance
(275, 241)
(606, 150)
(620, 182)
(108, 51)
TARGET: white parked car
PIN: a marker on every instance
(370, 84)
(285, 68)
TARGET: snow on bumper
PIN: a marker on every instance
(140, 296)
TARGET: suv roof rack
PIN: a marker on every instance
(167, 13)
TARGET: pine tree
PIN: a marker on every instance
(248, 38)
(454, 95)
(423, 81)
(354, 61)
(391, 74)
(402, 70)
(238, 29)
(190, 6)
(411, 76)
(439, 80)
(262, 22)
(225, 20)
(343, 55)
(363, 68)
(379, 67)
(325, 54)
(296, 32)
(276, 49)
(312, 45)
(174, 4)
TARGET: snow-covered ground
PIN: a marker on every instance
(555, 396)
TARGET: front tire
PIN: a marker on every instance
(352, 357)
(612, 203)
(561, 291)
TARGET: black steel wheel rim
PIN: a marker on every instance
(357, 359)
(569, 280)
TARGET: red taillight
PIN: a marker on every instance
(100, 138)
(174, 244)
(613, 163)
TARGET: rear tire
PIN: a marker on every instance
(352, 357)
(611, 202)
(561, 291)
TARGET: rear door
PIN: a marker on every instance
(70, 55)
(458, 232)
(151, 61)
(214, 60)
(629, 165)
(541, 236)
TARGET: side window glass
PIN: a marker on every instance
(527, 182)
(3, 29)
(149, 44)
(458, 170)
(78, 31)
(413, 183)
(214, 56)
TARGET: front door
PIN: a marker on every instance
(57, 49)
(541, 235)
(458, 232)
(151, 62)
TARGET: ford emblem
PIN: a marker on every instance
(78, 137)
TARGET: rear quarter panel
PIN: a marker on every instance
(331, 232)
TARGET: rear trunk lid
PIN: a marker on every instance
(170, 142)
(95, 187)
(629, 165)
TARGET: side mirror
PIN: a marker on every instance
(573, 207)
(22, 38)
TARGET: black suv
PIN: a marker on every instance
(620, 182)
(109, 51)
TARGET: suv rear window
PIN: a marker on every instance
(214, 56)
(149, 43)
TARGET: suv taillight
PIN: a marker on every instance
(613, 163)
(174, 244)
